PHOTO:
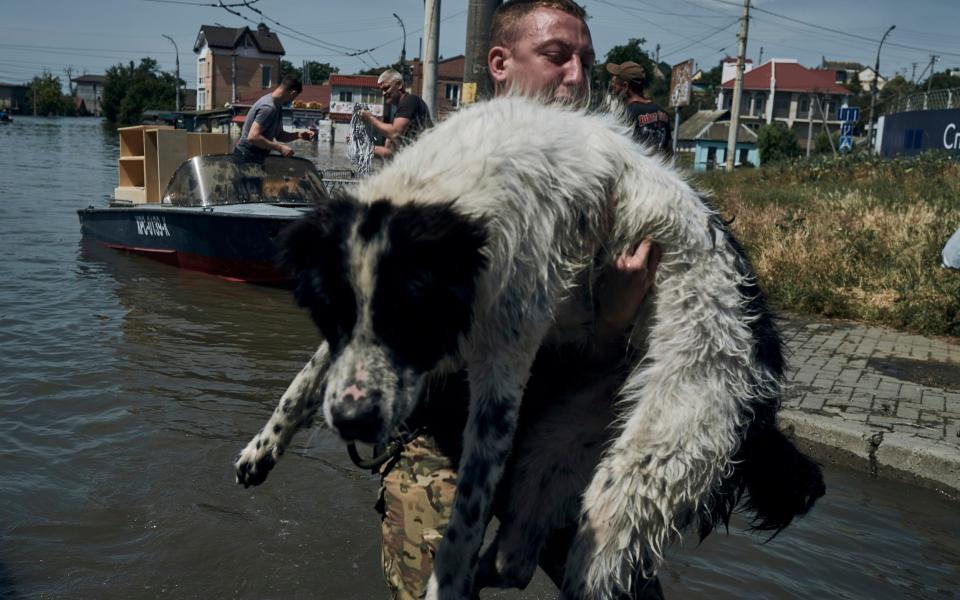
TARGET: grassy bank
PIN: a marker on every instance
(856, 237)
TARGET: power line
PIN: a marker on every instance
(837, 31)
(701, 40)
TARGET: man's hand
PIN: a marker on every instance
(366, 116)
(286, 150)
(625, 286)
(306, 135)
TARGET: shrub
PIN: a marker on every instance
(776, 143)
(852, 236)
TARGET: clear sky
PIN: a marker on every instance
(91, 35)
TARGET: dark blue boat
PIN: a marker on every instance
(218, 215)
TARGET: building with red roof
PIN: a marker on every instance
(449, 83)
(785, 91)
(347, 90)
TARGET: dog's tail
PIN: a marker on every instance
(771, 480)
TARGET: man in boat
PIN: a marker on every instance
(537, 47)
(263, 129)
(410, 118)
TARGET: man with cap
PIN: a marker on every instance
(651, 124)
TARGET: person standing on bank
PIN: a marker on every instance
(651, 124)
(409, 120)
(263, 129)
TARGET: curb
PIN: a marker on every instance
(900, 455)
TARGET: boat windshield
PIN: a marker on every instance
(222, 179)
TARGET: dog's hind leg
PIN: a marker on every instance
(296, 409)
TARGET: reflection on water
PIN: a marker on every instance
(127, 386)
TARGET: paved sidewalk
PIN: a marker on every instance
(887, 397)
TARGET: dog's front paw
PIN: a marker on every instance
(255, 461)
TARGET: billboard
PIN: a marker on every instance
(914, 132)
(681, 80)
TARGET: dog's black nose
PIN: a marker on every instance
(362, 424)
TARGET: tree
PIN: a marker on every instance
(821, 143)
(658, 85)
(776, 142)
(287, 68)
(131, 89)
(941, 81)
(321, 72)
(892, 90)
(45, 95)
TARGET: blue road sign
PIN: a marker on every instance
(846, 129)
(846, 143)
(848, 114)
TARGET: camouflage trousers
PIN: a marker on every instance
(416, 501)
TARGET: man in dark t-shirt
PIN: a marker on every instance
(409, 119)
(651, 125)
(263, 127)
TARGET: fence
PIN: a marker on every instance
(933, 100)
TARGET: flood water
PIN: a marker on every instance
(127, 386)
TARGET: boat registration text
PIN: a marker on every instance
(152, 226)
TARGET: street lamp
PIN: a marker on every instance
(176, 84)
(873, 84)
(403, 50)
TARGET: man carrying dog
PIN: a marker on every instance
(538, 47)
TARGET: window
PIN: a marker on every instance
(804, 105)
(913, 139)
(371, 96)
(346, 96)
(201, 98)
(453, 94)
(265, 76)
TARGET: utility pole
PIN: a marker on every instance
(933, 61)
(738, 87)
(479, 20)
(760, 60)
(873, 86)
(68, 71)
(177, 82)
(403, 50)
(431, 48)
(913, 75)
(658, 56)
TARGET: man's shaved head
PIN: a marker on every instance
(503, 30)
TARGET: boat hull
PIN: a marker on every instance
(235, 242)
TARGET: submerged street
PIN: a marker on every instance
(128, 386)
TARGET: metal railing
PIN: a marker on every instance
(933, 100)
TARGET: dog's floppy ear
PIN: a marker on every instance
(440, 236)
(318, 236)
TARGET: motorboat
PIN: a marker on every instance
(218, 215)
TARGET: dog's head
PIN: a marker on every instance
(391, 288)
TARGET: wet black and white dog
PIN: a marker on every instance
(473, 249)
